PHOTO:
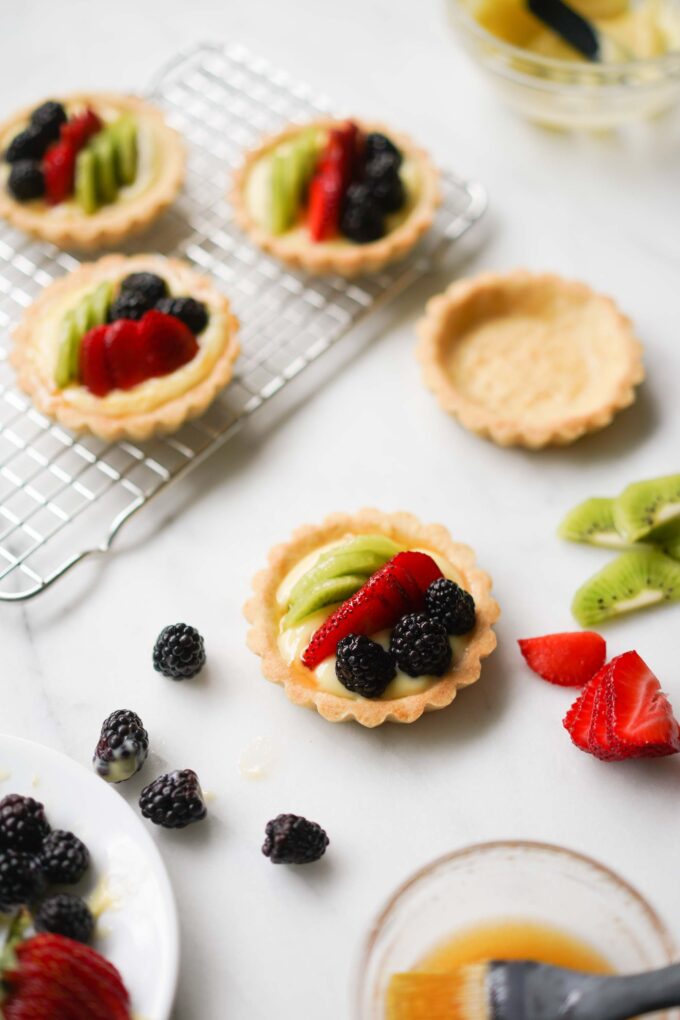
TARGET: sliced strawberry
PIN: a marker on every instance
(602, 742)
(569, 660)
(125, 354)
(396, 589)
(167, 343)
(94, 365)
(78, 131)
(325, 199)
(59, 167)
(341, 152)
(640, 715)
(579, 718)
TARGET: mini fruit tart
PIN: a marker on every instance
(88, 170)
(372, 616)
(336, 196)
(529, 360)
(126, 346)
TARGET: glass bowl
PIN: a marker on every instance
(491, 882)
(571, 94)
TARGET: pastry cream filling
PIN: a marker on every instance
(258, 189)
(147, 395)
(538, 361)
(293, 640)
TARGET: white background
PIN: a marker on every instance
(260, 941)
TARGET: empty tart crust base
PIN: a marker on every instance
(529, 360)
(67, 225)
(264, 614)
(154, 415)
(342, 256)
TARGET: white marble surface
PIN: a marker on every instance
(260, 941)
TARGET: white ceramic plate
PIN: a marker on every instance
(138, 929)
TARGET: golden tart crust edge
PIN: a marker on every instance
(263, 613)
(166, 417)
(432, 333)
(112, 223)
(349, 259)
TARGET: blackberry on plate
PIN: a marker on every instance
(361, 219)
(66, 915)
(291, 839)
(23, 823)
(179, 651)
(151, 286)
(31, 143)
(48, 118)
(64, 858)
(421, 646)
(26, 180)
(129, 304)
(363, 666)
(451, 605)
(192, 313)
(377, 144)
(122, 748)
(20, 879)
(174, 800)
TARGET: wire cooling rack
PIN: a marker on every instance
(64, 497)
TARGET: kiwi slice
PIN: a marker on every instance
(105, 167)
(380, 545)
(86, 181)
(634, 580)
(361, 564)
(100, 301)
(326, 593)
(645, 507)
(68, 355)
(281, 206)
(593, 522)
(123, 133)
(669, 540)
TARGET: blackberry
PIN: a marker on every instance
(20, 879)
(192, 313)
(290, 839)
(380, 145)
(152, 287)
(174, 800)
(31, 143)
(421, 646)
(23, 824)
(361, 219)
(384, 183)
(122, 748)
(48, 118)
(179, 651)
(451, 605)
(64, 858)
(363, 666)
(129, 304)
(26, 180)
(66, 915)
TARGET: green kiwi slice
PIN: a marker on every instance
(326, 593)
(645, 507)
(361, 564)
(670, 540)
(593, 522)
(634, 580)
(68, 355)
(380, 545)
(105, 167)
(100, 301)
(86, 181)
(123, 134)
(281, 201)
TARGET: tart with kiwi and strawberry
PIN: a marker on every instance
(335, 196)
(126, 346)
(89, 169)
(372, 616)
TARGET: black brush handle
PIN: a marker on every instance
(532, 991)
(569, 25)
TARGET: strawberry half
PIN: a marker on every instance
(325, 199)
(569, 660)
(78, 131)
(94, 364)
(341, 151)
(59, 168)
(54, 978)
(167, 343)
(125, 354)
(623, 713)
(396, 589)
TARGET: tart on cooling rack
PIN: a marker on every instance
(372, 616)
(126, 347)
(334, 196)
(529, 359)
(88, 170)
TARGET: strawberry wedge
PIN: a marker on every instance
(569, 660)
(396, 589)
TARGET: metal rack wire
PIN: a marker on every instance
(64, 497)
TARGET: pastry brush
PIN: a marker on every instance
(530, 991)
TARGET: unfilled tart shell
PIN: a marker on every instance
(263, 613)
(528, 359)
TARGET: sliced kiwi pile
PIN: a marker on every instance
(645, 522)
(92, 310)
(291, 166)
(106, 164)
(337, 575)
